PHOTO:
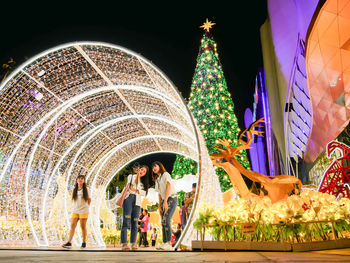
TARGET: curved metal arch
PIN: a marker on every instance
(96, 130)
(70, 103)
(91, 133)
(114, 122)
(103, 161)
(191, 120)
(115, 172)
(50, 122)
(92, 43)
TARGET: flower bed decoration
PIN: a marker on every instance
(286, 225)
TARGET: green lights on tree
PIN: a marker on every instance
(212, 106)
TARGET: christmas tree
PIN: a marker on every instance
(182, 166)
(212, 106)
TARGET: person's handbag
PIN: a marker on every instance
(121, 198)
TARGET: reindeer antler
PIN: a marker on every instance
(250, 131)
(230, 151)
(256, 124)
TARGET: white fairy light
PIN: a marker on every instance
(85, 108)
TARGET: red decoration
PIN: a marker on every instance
(305, 206)
(337, 177)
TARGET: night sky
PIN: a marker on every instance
(167, 35)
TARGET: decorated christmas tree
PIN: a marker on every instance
(212, 106)
(182, 166)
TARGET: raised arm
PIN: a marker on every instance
(189, 200)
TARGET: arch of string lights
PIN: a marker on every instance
(85, 108)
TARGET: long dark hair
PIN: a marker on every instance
(161, 170)
(145, 178)
(85, 191)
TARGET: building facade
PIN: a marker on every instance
(306, 55)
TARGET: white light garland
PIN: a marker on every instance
(84, 108)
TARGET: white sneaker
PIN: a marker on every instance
(166, 246)
(158, 246)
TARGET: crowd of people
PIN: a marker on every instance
(135, 218)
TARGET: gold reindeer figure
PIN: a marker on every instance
(277, 187)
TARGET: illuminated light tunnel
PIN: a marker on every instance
(86, 108)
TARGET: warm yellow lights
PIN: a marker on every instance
(95, 118)
(207, 25)
(306, 207)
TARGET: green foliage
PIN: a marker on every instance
(278, 233)
(180, 197)
(118, 180)
(153, 208)
(342, 226)
(204, 217)
(111, 239)
(182, 166)
(212, 106)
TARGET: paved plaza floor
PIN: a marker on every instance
(339, 255)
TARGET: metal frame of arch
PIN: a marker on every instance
(114, 106)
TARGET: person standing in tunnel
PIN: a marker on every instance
(165, 187)
(139, 184)
(81, 202)
(188, 200)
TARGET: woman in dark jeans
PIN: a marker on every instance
(165, 187)
(132, 206)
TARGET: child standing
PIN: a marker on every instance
(154, 237)
(144, 229)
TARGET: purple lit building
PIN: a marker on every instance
(261, 153)
(305, 47)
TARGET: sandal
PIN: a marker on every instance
(125, 247)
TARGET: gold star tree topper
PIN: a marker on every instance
(207, 25)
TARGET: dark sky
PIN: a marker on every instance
(168, 35)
